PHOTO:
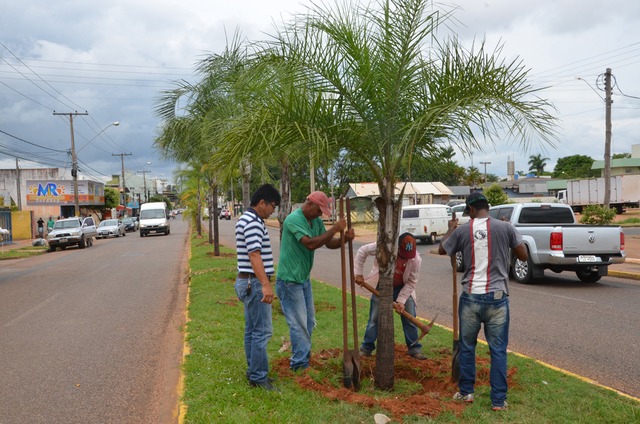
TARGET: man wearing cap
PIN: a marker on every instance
(303, 232)
(405, 278)
(486, 244)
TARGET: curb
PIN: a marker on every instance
(624, 274)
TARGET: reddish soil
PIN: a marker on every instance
(431, 378)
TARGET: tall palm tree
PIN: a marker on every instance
(537, 163)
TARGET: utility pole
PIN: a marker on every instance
(18, 187)
(124, 186)
(74, 161)
(607, 139)
(485, 170)
(144, 176)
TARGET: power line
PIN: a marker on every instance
(36, 74)
(33, 144)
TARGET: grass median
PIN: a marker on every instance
(23, 252)
(216, 390)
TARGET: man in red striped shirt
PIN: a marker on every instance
(486, 244)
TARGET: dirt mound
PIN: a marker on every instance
(426, 385)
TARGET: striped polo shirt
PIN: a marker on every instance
(252, 235)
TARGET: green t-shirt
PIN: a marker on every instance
(296, 260)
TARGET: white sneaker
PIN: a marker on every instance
(464, 398)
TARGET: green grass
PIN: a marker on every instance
(629, 221)
(216, 390)
(23, 252)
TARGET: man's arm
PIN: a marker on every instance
(326, 238)
(258, 269)
(453, 223)
(521, 252)
(410, 283)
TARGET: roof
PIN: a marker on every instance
(617, 163)
(418, 188)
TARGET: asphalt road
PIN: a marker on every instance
(92, 336)
(587, 329)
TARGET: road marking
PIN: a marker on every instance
(30, 311)
(557, 295)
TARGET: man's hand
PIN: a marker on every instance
(399, 307)
(267, 293)
(359, 279)
(453, 223)
(351, 234)
(340, 226)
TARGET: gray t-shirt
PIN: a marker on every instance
(486, 245)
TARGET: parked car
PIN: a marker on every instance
(111, 228)
(70, 232)
(225, 214)
(425, 222)
(463, 218)
(130, 224)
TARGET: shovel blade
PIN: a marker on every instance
(347, 368)
(357, 370)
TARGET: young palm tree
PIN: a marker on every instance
(371, 82)
(394, 89)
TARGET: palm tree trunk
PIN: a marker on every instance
(199, 211)
(285, 193)
(387, 235)
(245, 169)
(216, 233)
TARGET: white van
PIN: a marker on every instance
(425, 222)
(154, 218)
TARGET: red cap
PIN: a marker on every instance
(320, 199)
(407, 246)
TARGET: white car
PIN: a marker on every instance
(111, 228)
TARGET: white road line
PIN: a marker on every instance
(556, 295)
(30, 311)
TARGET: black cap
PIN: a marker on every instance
(473, 198)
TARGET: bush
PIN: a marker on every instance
(496, 195)
(597, 215)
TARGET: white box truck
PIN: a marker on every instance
(425, 222)
(625, 192)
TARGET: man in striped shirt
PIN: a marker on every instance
(486, 244)
(253, 283)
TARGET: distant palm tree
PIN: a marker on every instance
(537, 163)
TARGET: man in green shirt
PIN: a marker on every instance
(303, 232)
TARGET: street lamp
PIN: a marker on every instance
(113, 124)
(144, 176)
(485, 170)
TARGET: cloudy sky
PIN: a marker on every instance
(113, 59)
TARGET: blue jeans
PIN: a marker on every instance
(476, 309)
(297, 305)
(257, 330)
(409, 329)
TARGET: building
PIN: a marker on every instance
(415, 193)
(48, 192)
(626, 166)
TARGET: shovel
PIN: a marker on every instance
(355, 355)
(424, 328)
(455, 351)
(347, 360)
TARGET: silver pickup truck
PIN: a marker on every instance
(556, 242)
(72, 231)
